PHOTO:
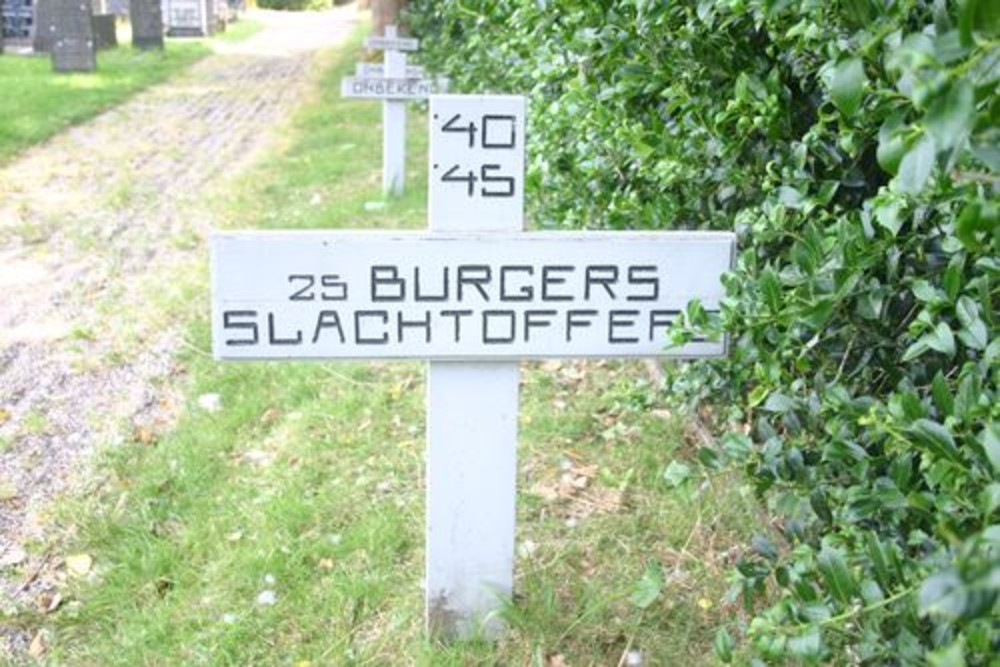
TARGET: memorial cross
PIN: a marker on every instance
(473, 296)
(393, 83)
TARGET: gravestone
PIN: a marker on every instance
(147, 24)
(42, 42)
(73, 48)
(187, 18)
(105, 31)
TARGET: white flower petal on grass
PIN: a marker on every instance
(267, 598)
(210, 402)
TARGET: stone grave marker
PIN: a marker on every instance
(73, 47)
(473, 296)
(105, 31)
(147, 24)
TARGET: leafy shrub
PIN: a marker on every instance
(853, 146)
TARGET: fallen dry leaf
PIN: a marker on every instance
(145, 435)
(326, 564)
(7, 491)
(37, 647)
(79, 564)
(48, 602)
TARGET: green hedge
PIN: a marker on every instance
(853, 146)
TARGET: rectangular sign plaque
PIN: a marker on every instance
(500, 296)
(375, 70)
(392, 43)
(391, 88)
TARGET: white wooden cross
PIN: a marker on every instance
(394, 82)
(473, 296)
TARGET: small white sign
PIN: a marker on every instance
(375, 70)
(391, 89)
(366, 295)
(392, 43)
(476, 158)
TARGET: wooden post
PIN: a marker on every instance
(471, 409)
(394, 125)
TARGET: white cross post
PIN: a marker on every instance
(473, 296)
(472, 405)
(394, 123)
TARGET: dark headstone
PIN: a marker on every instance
(147, 24)
(42, 42)
(72, 36)
(105, 31)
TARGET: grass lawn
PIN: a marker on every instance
(286, 526)
(37, 103)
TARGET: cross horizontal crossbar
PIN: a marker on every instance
(499, 296)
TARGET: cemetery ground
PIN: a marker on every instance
(273, 513)
(47, 102)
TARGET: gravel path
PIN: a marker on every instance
(90, 220)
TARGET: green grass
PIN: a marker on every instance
(307, 483)
(37, 102)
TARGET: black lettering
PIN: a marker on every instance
(635, 278)
(524, 292)
(457, 315)
(604, 275)
(492, 340)
(328, 319)
(335, 283)
(379, 278)
(228, 322)
(301, 294)
(425, 324)
(418, 296)
(572, 321)
(660, 318)
(362, 340)
(465, 279)
(548, 280)
(529, 321)
(615, 321)
(274, 340)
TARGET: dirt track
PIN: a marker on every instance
(84, 219)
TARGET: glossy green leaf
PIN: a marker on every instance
(847, 85)
(950, 116)
(916, 166)
(934, 438)
(838, 578)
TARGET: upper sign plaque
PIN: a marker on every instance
(476, 159)
(392, 43)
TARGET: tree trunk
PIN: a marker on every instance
(386, 12)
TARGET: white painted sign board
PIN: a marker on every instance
(390, 42)
(477, 160)
(384, 88)
(473, 296)
(453, 296)
(375, 70)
